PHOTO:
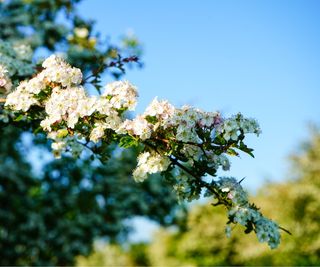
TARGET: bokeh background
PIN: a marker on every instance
(260, 58)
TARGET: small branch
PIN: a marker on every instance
(285, 230)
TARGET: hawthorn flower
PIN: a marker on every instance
(235, 191)
(58, 145)
(228, 231)
(149, 163)
(232, 127)
(58, 71)
(192, 152)
(268, 231)
(103, 106)
(215, 161)
(65, 104)
(162, 110)
(113, 122)
(97, 132)
(81, 32)
(35, 85)
(5, 82)
(207, 119)
(23, 51)
(21, 99)
(123, 94)
(139, 127)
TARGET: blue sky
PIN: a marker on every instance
(261, 58)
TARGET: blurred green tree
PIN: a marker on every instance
(50, 217)
(106, 255)
(115, 255)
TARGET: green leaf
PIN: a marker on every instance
(232, 152)
(19, 118)
(151, 119)
(243, 147)
(39, 129)
(249, 228)
(62, 133)
(128, 141)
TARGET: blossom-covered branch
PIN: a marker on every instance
(186, 145)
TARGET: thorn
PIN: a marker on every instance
(285, 230)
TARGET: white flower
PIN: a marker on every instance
(236, 193)
(58, 145)
(140, 174)
(113, 122)
(20, 99)
(207, 119)
(97, 132)
(103, 106)
(138, 126)
(58, 71)
(81, 32)
(35, 85)
(228, 231)
(162, 110)
(149, 163)
(23, 51)
(123, 94)
(5, 81)
(66, 104)
(192, 152)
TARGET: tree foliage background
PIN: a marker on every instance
(48, 217)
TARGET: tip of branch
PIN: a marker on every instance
(285, 230)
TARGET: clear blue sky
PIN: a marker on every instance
(258, 57)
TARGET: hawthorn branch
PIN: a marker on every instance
(209, 187)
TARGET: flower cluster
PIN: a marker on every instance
(235, 125)
(190, 134)
(143, 128)
(233, 189)
(56, 74)
(16, 58)
(240, 211)
(123, 95)
(56, 70)
(58, 90)
(186, 187)
(185, 142)
(149, 163)
(5, 81)
(22, 98)
(265, 229)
